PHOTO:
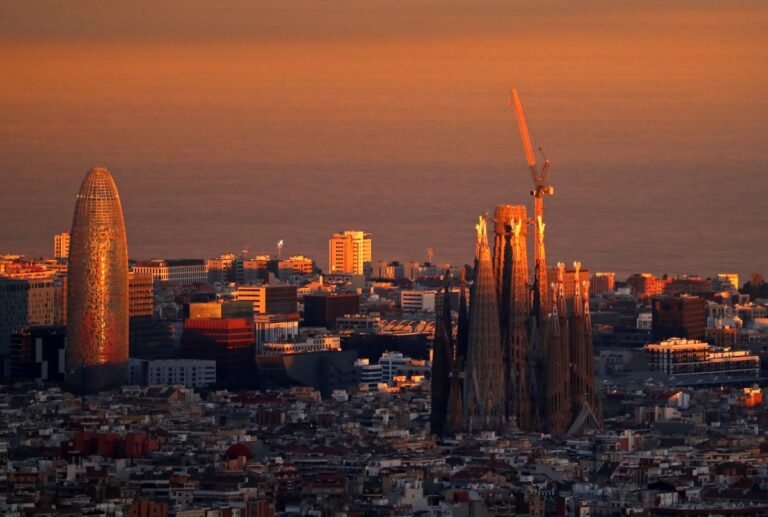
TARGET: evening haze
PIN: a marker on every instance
(235, 124)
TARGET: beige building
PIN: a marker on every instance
(61, 245)
(349, 252)
(174, 271)
(678, 356)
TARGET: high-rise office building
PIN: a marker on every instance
(61, 245)
(149, 337)
(37, 353)
(24, 301)
(141, 301)
(220, 269)
(296, 264)
(602, 282)
(97, 287)
(229, 342)
(645, 285)
(322, 309)
(60, 299)
(681, 316)
(350, 252)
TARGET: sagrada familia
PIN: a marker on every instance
(521, 357)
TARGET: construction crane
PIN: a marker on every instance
(541, 188)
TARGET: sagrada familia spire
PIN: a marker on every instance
(511, 273)
(557, 403)
(442, 357)
(484, 375)
(523, 359)
(584, 397)
(456, 395)
(514, 364)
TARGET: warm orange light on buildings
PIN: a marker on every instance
(752, 397)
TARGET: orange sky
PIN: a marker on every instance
(663, 105)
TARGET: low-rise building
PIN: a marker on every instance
(678, 356)
(417, 301)
(324, 343)
(174, 271)
(192, 373)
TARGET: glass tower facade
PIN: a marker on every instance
(97, 298)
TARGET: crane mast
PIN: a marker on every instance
(541, 188)
(529, 155)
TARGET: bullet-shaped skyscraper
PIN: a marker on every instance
(97, 280)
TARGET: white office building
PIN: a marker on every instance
(192, 373)
(174, 271)
(417, 301)
(391, 363)
(370, 374)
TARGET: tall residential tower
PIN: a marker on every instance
(349, 252)
(61, 245)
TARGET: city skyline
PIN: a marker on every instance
(386, 258)
(651, 115)
(264, 248)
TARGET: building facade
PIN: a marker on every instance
(350, 252)
(174, 271)
(97, 287)
(322, 309)
(270, 328)
(221, 309)
(37, 354)
(141, 301)
(680, 316)
(678, 356)
(417, 301)
(25, 302)
(269, 299)
(370, 374)
(229, 342)
(602, 282)
(323, 343)
(61, 245)
(192, 373)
